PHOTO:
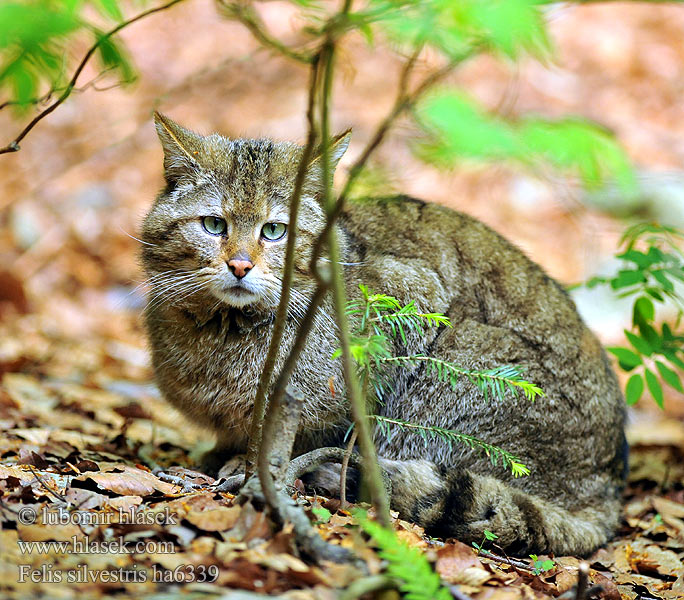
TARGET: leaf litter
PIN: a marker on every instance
(80, 455)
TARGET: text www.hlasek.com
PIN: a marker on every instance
(87, 546)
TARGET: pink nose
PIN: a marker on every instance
(239, 267)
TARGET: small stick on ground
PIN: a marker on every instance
(508, 561)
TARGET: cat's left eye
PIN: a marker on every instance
(214, 225)
(273, 231)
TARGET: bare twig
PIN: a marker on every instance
(231, 484)
(403, 101)
(508, 561)
(582, 578)
(13, 146)
(45, 486)
(458, 594)
(371, 469)
(246, 15)
(273, 466)
(288, 271)
(343, 470)
(279, 431)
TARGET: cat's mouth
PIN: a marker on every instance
(238, 295)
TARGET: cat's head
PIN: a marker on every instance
(216, 236)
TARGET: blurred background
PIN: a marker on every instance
(72, 199)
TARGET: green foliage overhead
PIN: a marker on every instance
(409, 566)
(652, 273)
(459, 129)
(507, 27)
(36, 38)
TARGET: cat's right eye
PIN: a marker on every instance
(214, 225)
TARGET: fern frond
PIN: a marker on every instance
(408, 317)
(491, 382)
(407, 565)
(376, 309)
(429, 433)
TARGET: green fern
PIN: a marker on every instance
(378, 309)
(491, 382)
(508, 460)
(407, 565)
(382, 317)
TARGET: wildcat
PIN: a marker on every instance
(214, 247)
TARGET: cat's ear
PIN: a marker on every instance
(337, 147)
(182, 149)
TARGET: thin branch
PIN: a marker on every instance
(246, 15)
(371, 469)
(343, 470)
(13, 146)
(276, 447)
(508, 561)
(403, 101)
(288, 271)
(582, 579)
(367, 585)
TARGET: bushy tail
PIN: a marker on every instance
(461, 504)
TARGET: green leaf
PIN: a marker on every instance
(639, 343)
(462, 130)
(109, 8)
(627, 278)
(643, 261)
(574, 144)
(673, 358)
(409, 565)
(25, 83)
(654, 387)
(449, 436)
(627, 359)
(489, 535)
(663, 280)
(634, 389)
(651, 336)
(670, 377)
(323, 515)
(644, 311)
(113, 57)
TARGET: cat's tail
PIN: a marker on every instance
(458, 503)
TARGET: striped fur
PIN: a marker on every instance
(208, 347)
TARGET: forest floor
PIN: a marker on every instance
(84, 429)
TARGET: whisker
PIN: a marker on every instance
(135, 238)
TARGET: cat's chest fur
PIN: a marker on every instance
(209, 366)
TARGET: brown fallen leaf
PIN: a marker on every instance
(128, 481)
(218, 519)
(668, 508)
(40, 533)
(655, 559)
(453, 559)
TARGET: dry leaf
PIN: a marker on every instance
(217, 519)
(128, 481)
